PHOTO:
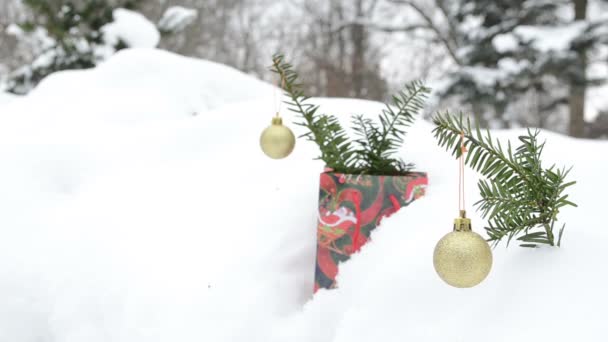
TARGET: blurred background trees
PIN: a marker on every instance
(511, 63)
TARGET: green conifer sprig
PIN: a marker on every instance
(376, 143)
(520, 199)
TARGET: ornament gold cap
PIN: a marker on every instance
(462, 223)
(277, 120)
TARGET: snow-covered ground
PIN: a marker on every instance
(136, 206)
(6, 97)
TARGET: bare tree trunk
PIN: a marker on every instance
(332, 83)
(577, 89)
(358, 59)
(341, 41)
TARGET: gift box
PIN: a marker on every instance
(350, 208)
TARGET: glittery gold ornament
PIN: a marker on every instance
(277, 141)
(462, 258)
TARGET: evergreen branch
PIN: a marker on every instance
(407, 103)
(520, 198)
(371, 153)
(325, 131)
(485, 156)
(377, 144)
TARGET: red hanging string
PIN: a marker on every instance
(277, 104)
(463, 150)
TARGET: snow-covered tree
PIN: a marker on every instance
(67, 35)
(529, 51)
(11, 52)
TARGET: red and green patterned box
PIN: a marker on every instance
(350, 208)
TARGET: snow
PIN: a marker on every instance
(596, 102)
(512, 66)
(177, 18)
(543, 38)
(597, 96)
(137, 206)
(551, 38)
(136, 74)
(14, 30)
(38, 39)
(505, 42)
(6, 97)
(132, 28)
(45, 59)
(487, 77)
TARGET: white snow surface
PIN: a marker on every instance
(6, 97)
(132, 28)
(127, 218)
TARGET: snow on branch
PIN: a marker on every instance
(176, 19)
(131, 28)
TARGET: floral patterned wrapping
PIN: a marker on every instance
(350, 207)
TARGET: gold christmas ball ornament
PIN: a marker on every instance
(462, 258)
(277, 141)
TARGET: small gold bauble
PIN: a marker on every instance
(462, 258)
(277, 141)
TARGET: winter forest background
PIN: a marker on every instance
(512, 63)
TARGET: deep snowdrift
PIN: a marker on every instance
(6, 97)
(137, 206)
